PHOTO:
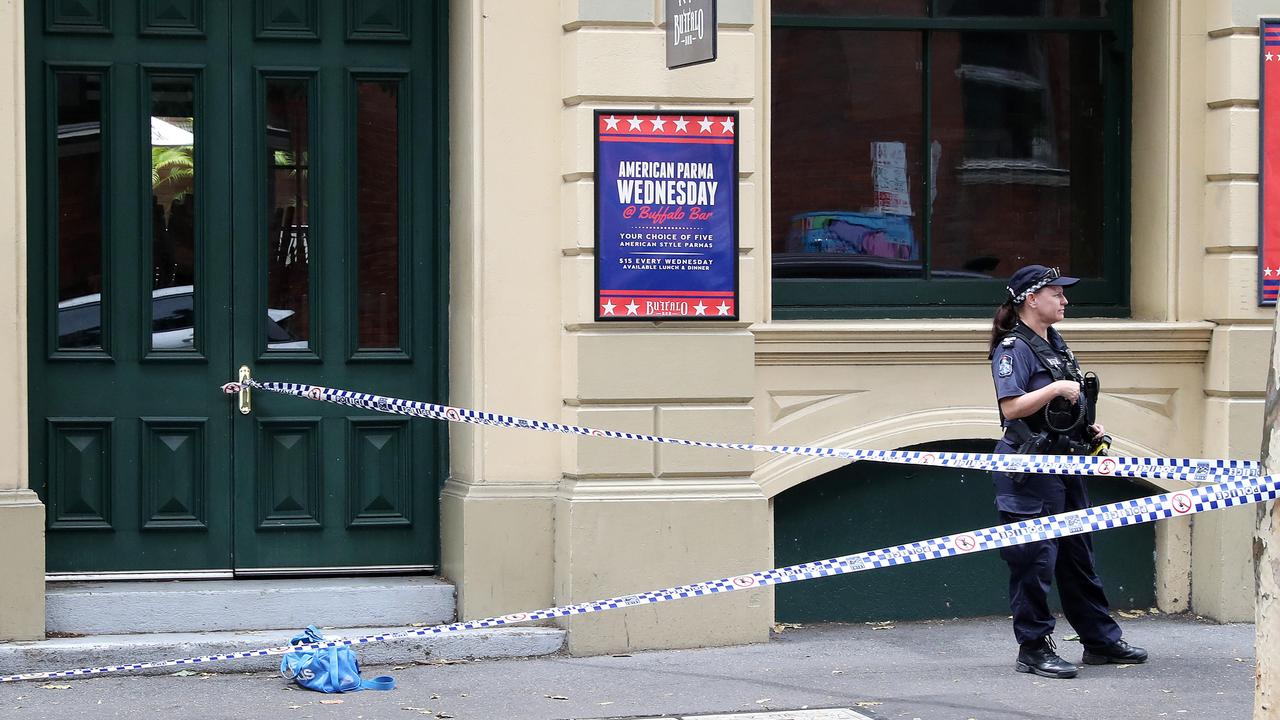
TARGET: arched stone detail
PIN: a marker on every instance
(782, 472)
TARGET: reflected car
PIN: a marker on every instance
(172, 322)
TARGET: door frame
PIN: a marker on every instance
(39, 248)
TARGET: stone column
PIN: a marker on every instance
(632, 517)
(1221, 36)
(21, 512)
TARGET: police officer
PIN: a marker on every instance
(1044, 411)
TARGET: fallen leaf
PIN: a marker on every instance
(52, 686)
(1131, 614)
(837, 672)
(295, 707)
(606, 702)
(1071, 638)
(182, 673)
(435, 696)
(205, 676)
(762, 701)
(555, 697)
(331, 702)
(1165, 691)
(868, 703)
(443, 716)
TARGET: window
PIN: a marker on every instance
(923, 150)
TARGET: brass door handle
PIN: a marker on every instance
(245, 406)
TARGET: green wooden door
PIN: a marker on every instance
(217, 183)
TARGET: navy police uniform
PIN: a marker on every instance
(1018, 369)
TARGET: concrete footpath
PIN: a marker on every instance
(937, 670)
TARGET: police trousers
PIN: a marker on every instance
(1034, 566)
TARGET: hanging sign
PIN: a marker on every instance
(1269, 164)
(666, 216)
(691, 32)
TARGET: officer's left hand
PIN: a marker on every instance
(1097, 430)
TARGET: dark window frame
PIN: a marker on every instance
(1105, 296)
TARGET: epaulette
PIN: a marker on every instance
(1007, 342)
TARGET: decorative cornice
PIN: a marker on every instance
(653, 489)
(498, 491)
(964, 342)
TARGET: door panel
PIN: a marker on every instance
(128, 446)
(326, 99)
(224, 182)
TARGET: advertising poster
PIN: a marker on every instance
(666, 216)
(1269, 164)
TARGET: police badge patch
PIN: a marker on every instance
(1006, 365)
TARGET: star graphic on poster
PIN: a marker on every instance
(1270, 56)
(611, 123)
(682, 125)
(632, 308)
(607, 307)
(704, 124)
(634, 122)
(700, 309)
(722, 308)
(658, 124)
(1266, 272)
(727, 125)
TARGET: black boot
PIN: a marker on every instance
(1038, 657)
(1117, 652)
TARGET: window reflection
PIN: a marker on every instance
(1018, 120)
(377, 213)
(79, 212)
(848, 195)
(289, 209)
(173, 211)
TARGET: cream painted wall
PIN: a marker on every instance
(21, 513)
(529, 520)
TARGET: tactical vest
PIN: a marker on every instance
(1061, 364)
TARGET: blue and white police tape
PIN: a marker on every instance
(1190, 470)
(1241, 491)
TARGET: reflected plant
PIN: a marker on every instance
(172, 176)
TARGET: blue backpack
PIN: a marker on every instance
(327, 669)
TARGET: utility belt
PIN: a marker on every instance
(1038, 435)
(1025, 441)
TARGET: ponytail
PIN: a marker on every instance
(1005, 319)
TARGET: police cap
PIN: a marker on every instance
(1031, 278)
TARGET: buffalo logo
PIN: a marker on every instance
(964, 543)
(315, 393)
(744, 581)
(1107, 466)
(1181, 503)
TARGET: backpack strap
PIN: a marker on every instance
(382, 682)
